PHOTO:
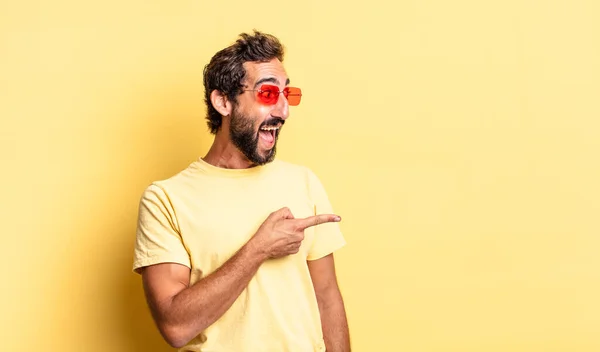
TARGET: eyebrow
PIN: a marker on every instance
(270, 79)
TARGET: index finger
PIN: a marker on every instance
(317, 220)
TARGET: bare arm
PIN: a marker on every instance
(331, 305)
(182, 311)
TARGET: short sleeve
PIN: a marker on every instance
(158, 239)
(328, 237)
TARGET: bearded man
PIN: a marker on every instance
(236, 250)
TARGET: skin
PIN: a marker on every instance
(182, 311)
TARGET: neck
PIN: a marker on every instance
(223, 153)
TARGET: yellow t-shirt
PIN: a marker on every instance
(204, 214)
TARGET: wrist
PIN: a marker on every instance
(255, 251)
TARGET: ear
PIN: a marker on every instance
(220, 102)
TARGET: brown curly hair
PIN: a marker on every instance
(225, 71)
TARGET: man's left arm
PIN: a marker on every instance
(331, 304)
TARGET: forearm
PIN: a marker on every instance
(195, 308)
(334, 322)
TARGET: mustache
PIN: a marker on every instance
(273, 122)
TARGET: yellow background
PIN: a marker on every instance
(459, 140)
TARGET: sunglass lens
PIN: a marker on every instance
(293, 95)
(268, 94)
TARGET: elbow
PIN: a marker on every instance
(175, 336)
(176, 343)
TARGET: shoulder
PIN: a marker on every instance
(162, 188)
(294, 168)
(299, 175)
(294, 171)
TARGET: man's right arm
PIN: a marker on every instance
(181, 311)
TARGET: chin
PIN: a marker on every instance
(266, 156)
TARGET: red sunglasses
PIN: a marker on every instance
(269, 94)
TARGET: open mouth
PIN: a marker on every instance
(268, 133)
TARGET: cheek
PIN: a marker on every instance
(256, 113)
(263, 111)
(259, 114)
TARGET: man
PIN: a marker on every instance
(235, 251)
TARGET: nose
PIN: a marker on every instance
(281, 109)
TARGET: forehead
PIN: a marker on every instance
(265, 72)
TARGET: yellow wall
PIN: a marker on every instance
(465, 166)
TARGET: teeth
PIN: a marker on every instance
(269, 128)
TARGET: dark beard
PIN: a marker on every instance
(245, 138)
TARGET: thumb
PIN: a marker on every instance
(284, 213)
